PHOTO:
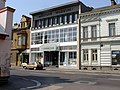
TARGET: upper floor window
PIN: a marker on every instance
(19, 40)
(85, 32)
(76, 17)
(111, 29)
(61, 20)
(23, 40)
(22, 24)
(46, 22)
(36, 23)
(94, 31)
(70, 18)
(50, 21)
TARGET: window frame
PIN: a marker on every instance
(94, 54)
(85, 55)
(112, 30)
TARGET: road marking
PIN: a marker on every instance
(38, 84)
(114, 79)
(53, 87)
(85, 82)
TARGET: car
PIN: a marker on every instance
(33, 65)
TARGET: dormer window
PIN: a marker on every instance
(22, 24)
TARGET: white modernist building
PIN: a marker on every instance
(54, 35)
(100, 38)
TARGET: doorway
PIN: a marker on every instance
(51, 58)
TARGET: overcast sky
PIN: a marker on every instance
(24, 7)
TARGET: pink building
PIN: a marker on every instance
(6, 18)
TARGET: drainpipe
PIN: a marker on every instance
(79, 40)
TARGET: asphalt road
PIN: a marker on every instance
(60, 80)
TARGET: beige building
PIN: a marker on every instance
(21, 41)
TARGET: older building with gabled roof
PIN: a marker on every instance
(100, 38)
(21, 41)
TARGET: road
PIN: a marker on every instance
(60, 80)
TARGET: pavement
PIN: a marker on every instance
(49, 69)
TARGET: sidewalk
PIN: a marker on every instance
(84, 71)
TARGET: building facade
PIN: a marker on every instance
(21, 42)
(54, 35)
(100, 38)
(6, 19)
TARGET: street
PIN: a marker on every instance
(60, 80)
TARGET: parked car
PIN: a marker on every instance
(33, 65)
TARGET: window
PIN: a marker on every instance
(85, 33)
(46, 22)
(72, 55)
(75, 17)
(23, 40)
(65, 17)
(50, 21)
(42, 22)
(19, 40)
(94, 54)
(116, 57)
(22, 24)
(85, 54)
(36, 23)
(111, 29)
(93, 31)
(70, 18)
(56, 21)
(61, 21)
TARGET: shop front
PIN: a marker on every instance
(50, 54)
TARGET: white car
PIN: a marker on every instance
(33, 65)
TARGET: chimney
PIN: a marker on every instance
(113, 2)
(2, 3)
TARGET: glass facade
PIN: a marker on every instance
(58, 20)
(58, 35)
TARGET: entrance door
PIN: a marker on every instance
(51, 58)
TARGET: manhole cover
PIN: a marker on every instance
(85, 82)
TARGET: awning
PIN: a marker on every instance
(49, 47)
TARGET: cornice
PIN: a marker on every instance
(7, 9)
(100, 12)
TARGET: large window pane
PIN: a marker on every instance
(111, 29)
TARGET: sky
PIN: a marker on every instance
(24, 7)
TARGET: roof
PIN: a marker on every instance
(102, 9)
(26, 17)
(57, 6)
(7, 9)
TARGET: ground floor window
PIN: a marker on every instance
(68, 58)
(116, 57)
(85, 54)
(94, 54)
(36, 57)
